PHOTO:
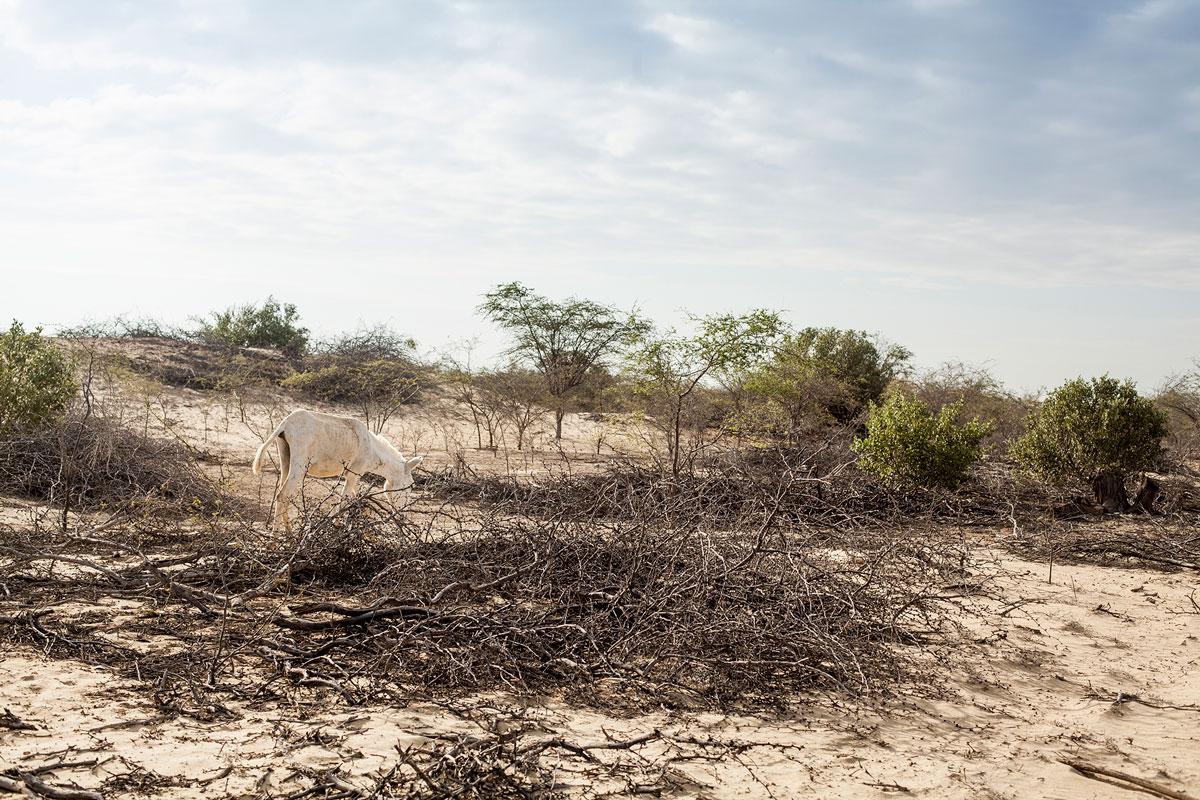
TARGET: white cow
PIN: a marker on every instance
(328, 446)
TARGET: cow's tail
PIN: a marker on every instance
(256, 468)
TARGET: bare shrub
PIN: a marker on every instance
(521, 398)
(1179, 397)
(124, 326)
(87, 463)
(375, 370)
(470, 391)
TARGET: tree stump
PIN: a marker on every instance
(1109, 491)
(1110, 498)
(1148, 492)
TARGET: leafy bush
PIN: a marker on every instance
(908, 445)
(273, 325)
(37, 380)
(822, 373)
(1089, 425)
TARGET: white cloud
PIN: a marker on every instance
(977, 143)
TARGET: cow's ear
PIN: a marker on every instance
(412, 462)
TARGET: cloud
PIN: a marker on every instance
(1025, 143)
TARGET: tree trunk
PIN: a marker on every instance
(559, 411)
(1148, 492)
(1110, 498)
(675, 436)
(1109, 491)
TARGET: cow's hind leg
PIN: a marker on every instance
(285, 488)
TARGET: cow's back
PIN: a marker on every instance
(325, 443)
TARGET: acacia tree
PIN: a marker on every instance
(671, 367)
(563, 340)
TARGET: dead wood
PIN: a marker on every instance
(9, 720)
(1109, 492)
(1148, 492)
(38, 786)
(1109, 497)
(1090, 770)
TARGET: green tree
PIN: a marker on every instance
(1088, 425)
(562, 340)
(273, 325)
(670, 368)
(828, 372)
(37, 380)
(908, 445)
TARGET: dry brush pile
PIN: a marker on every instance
(730, 594)
(86, 461)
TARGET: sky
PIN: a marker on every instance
(1013, 184)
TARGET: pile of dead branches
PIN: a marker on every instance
(1170, 543)
(362, 605)
(826, 490)
(713, 615)
(88, 462)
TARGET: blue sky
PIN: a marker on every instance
(1006, 182)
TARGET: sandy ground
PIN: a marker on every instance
(1102, 664)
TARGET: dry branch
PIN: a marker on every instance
(1090, 770)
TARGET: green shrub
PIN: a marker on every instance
(908, 445)
(1089, 425)
(338, 380)
(377, 389)
(37, 380)
(273, 326)
(821, 374)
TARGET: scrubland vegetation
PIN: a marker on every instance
(757, 513)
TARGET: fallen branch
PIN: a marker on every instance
(1089, 770)
(57, 793)
(9, 720)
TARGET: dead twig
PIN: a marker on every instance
(9, 720)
